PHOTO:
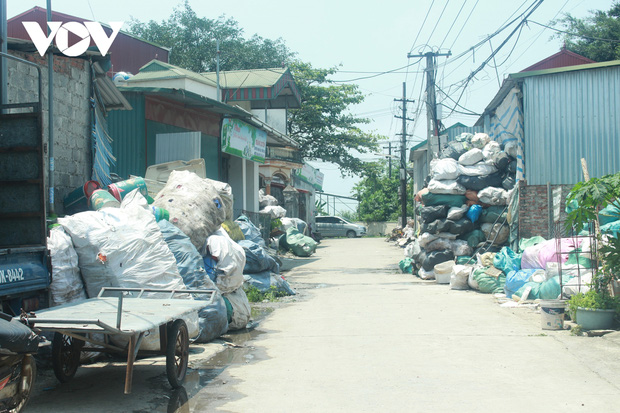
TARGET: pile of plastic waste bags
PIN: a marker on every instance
(183, 238)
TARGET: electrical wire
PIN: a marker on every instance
(575, 35)
(464, 24)
(437, 23)
(452, 25)
(376, 74)
(533, 8)
(490, 36)
(421, 27)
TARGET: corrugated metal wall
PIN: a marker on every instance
(127, 129)
(454, 132)
(569, 116)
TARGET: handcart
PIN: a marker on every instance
(128, 312)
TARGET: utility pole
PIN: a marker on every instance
(389, 158)
(431, 103)
(403, 157)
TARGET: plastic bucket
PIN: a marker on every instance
(77, 200)
(552, 314)
(122, 188)
(443, 271)
(102, 199)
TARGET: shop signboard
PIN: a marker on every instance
(243, 140)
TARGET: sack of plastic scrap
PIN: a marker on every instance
(225, 192)
(275, 211)
(240, 306)
(249, 230)
(488, 281)
(459, 277)
(229, 260)
(66, 286)
(300, 224)
(122, 247)
(256, 259)
(213, 320)
(194, 205)
(297, 243)
(267, 281)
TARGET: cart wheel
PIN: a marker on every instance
(177, 353)
(65, 356)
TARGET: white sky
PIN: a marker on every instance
(365, 36)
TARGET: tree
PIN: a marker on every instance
(323, 125)
(192, 41)
(597, 36)
(378, 194)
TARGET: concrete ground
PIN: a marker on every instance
(361, 337)
(366, 338)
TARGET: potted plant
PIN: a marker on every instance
(588, 198)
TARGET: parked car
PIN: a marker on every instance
(331, 226)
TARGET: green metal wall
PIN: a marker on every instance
(133, 142)
(208, 146)
(128, 131)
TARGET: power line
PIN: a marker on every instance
(421, 27)
(463, 26)
(437, 23)
(575, 35)
(533, 7)
(375, 75)
(452, 25)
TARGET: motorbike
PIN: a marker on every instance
(18, 344)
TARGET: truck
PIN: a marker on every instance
(25, 266)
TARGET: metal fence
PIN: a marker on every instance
(261, 220)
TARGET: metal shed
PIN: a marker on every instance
(559, 116)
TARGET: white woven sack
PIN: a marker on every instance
(194, 205)
(446, 168)
(491, 149)
(66, 286)
(446, 187)
(471, 157)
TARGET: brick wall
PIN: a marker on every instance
(72, 141)
(534, 209)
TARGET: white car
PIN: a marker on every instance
(331, 226)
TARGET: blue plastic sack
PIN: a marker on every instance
(507, 260)
(212, 320)
(250, 232)
(256, 259)
(474, 212)
(189, 261)
(263, 281)
(515, 280)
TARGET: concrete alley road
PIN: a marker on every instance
(362, 337)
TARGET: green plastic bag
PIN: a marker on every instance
(534, 294)
(429, 199)
(488, 284)
(474, 238)
(297, 243)
(493, 214)
(406, 265)
(530, 242)
(507, 260)
(464, 259)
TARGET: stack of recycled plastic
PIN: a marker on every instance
(261, 270)
(464, 204)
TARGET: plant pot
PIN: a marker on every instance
(595, 319)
